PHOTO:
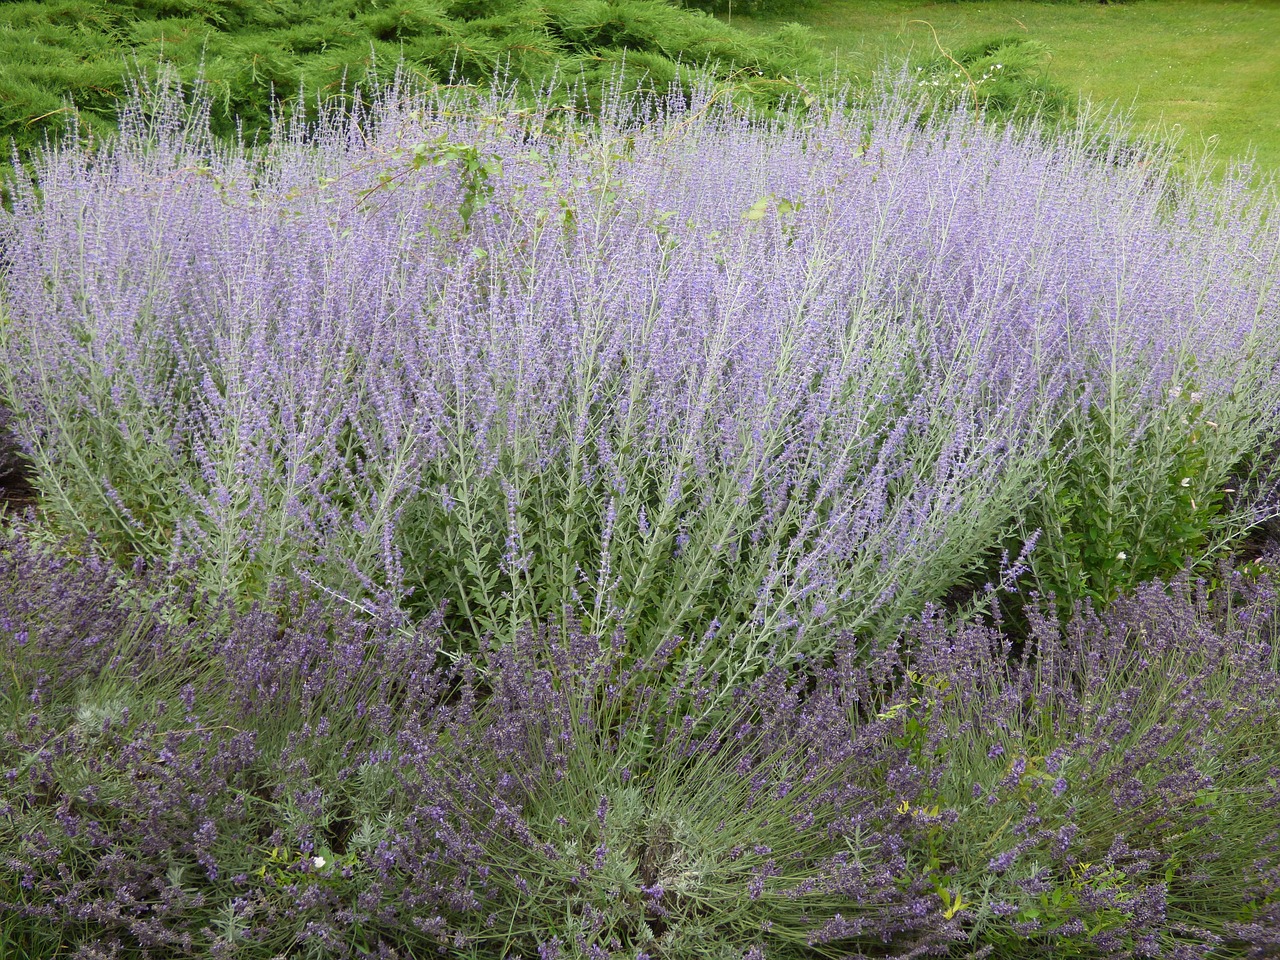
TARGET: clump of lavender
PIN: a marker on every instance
(675, 373)
(559, 377)
(1116, 792)
(605, 821)
(320, 784)
(333, 788)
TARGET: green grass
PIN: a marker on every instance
(1206, 70)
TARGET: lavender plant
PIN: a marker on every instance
(1110, 787)
(338, 791)
(586, 385)
(1165, 455)
(681, 375)
(316, 786)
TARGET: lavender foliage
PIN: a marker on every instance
(319, 785)
(324, 786)
(1116, 777)
(678, 373)
(523, 519)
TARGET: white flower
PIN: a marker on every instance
(1122, 555)
(1196, 396)
(1175, 392)
(1186, 481)
(318, 862)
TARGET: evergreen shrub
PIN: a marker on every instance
(73, 60)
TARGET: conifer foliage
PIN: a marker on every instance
(74, 58)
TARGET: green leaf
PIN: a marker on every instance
(758, 209)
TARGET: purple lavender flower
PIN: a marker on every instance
(550, 562)
(611, 387)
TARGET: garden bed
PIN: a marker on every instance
(468, 530)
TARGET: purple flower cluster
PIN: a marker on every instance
(318, 783)
(310, 782)
(681, 374)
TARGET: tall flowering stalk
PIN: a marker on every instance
(676, 373)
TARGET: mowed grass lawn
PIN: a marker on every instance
(1207, 71)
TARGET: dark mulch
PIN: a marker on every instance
(16, 491)
(16, 494)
